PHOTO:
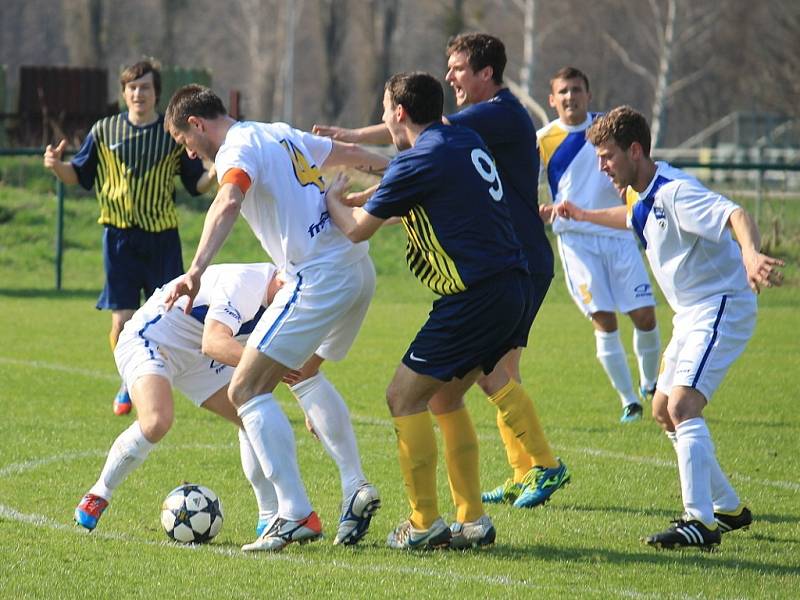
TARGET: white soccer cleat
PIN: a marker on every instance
(472, 534)
(406, 537)
(357, 512)
(283, 532)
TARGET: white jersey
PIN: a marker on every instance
(684, 229)
(233, 294)
(571, 165)
(285, 205)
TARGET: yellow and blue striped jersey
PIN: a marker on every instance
(133, 170)
(451, 200)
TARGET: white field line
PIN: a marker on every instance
(598, 452)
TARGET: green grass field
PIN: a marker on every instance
(57, 380)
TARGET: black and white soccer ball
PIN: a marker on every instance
(191, 514)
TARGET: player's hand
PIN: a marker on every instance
(762, 270)
(276, 283)
(340, 134)
(292, 377)
(547, 212)
(53, 155)
(568, 210)
(336, 188)
(188, 285)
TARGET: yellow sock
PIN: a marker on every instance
(518, 458)
(461, 454)
(112, 340)
(416, 449)
(518, 412)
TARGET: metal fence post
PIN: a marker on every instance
(59, 231)
(759, 187)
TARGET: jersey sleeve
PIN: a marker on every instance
(702, 212)
(404, 185)
(237, 154)
(191, 169)
(85, 161)
(238, 295)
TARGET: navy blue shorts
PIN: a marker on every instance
(137, 261)
(473, 329)
(539, 285)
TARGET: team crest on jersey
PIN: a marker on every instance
(306, 172)
(660, 216)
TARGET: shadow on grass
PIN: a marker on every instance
(48, 294)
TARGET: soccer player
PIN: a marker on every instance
(132, 163)
(704, 274)
(269, 172)
(158, 350)
(602, 266)
(476, 62)
(461, 244)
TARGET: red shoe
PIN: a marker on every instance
(122, 401)
(89, 511)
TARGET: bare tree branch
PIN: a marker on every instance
(628, 61)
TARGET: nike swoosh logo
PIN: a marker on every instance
(113, 147)
(416, 358)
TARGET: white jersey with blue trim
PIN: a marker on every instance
(233, 294)
(285, 205)
(684, 229)
(570, 163)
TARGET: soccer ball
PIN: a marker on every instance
(191, 514)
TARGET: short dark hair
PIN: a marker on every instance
(140, 69)
(623, 126)
(420, 94)
(482, 50)
(192, 100)
(570, 73)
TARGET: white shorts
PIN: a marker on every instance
(604, 273)
(317, 311)
(706, 339)
(193, 373)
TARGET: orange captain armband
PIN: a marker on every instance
(237, 177)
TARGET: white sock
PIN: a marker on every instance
(127, 452)
(723, 495)
(611, 355)
(272, 439)
(647, 347)
(694, 467)
(263, 489)
(330, 418)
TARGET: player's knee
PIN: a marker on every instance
(156, 426)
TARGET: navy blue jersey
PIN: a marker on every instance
(133, 172)
(508, 131)
(451, 198)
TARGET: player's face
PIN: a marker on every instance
(195, 140)
(617, 164)
(571, 99)
(390, 119)
(469, 86)
(140, 96)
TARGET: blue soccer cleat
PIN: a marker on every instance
(89, 511)
(631, 412)
(122, 401)
(541, 483)
(646, 394)
(357, 513)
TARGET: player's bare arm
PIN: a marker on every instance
(377, 135)
(221, 216)
(208, 178)
(356, 223)
(608, 217)
(63, 170)
(218, 343)
(352, 155)
(354, 199)
(761, 269)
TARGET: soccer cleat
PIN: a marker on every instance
(283, 532)
(631, 413)
(646, 394)
(405, 537)
(504, 493)
(728, 522)
(472, 534)
(122, 401)
(89, 511)
(357, 512)
(540, 483)
(683, 533)
(262, 525)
